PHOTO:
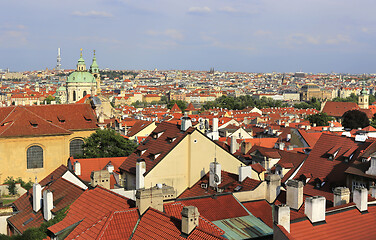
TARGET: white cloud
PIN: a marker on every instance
(92, 13)
(302, 38)
(230, 46)
(171, 33)
(339, 38)
(199, 10)
(228, 9)
(13, 38)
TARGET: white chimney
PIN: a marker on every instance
(48, 204)
(281, 146)
(77, 168)
(341, 196)
(273, 182)
(360, 198)
(110, 167)
(244, 172)
(372, 190)
(189, 219)
(288, 137)
(372, 169)
(215, 135)
(37, 197)
(140, 170)
(233, 145)
(214, 174)
(185, 122)
(281, 216)
(294, 194)
(315, 208)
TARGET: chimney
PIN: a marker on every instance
(233, 145)
(185, 122)
(245, 147)
(290, 148)
(215, 135)
(273, 182)
(151, 197)
(281, 216)
(37, 197)
(288, 137)
(101, 178)
(189, 219)
(281, 146)
(77, 168)
(372, 168)
(48, 204)
(360, 198)
(341, 196)
(244, 172)
(294, 194)
(372, 189)
(140, 170)
(214, 174)
(314, 125)
(315, 209)
(110, 167)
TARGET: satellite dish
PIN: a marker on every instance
(216, 178)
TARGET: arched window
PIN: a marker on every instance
(84, 94)
(74, 95)
(34, 157)
(75, 147)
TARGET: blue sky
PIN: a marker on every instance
(229, 35)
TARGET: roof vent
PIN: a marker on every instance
(33, 123)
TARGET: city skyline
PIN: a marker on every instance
(246, 36)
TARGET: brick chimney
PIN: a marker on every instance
(151, 197)
(315, 209)
(281, 216)
(360, 198)
(37, 197)
(48, 204)
(341, 196)
(294, 194)
(190, 219)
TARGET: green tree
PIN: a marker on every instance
(107, 143)
(320, 119)
(11, 185)
(373, 121)
(313, 103)
(48, 99)
(355, 119)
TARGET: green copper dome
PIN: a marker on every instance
(81, 77)
(364, 91)
(81, 61)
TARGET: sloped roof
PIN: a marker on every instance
(158, 225)
(260, 209)
(190, 107)
(218, 208)
(229, 181)
(46, 119)
(64, 193)
(153, 144)
(95, 164)
(342, 224)
(175, 109)
(89, 208)
(320, 166)
(337, 109)
(137, 127)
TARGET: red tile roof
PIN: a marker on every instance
(137, 127)
(337, 109)
(46, 119)
(89, 208)
(345, 224)
(229, 182)
(218, 208)
(260, 209)
(158, 225)
(64, 193)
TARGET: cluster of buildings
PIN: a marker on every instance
(214, 174)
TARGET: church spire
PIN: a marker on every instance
(81, 63)
(94, 66)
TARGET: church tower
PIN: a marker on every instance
(363, 99)
(94, 69)
(81, 66)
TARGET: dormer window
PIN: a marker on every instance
(87, 118)
(157, 135)
(154, 156)
(33, 123)
(332, 153)
(61, 118)
(171, 139)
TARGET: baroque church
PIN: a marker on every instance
(81, 82)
